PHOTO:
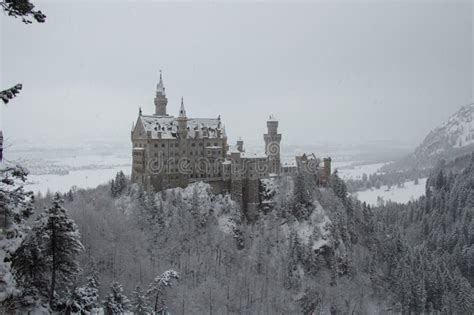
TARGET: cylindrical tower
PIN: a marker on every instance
(272, 145)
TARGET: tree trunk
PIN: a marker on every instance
(53, 269)
(156, 304)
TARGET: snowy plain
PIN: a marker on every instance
(409, 192)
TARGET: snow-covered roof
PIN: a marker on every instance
(168, 126)
(272, 118)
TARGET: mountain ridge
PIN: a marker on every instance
(455, 134)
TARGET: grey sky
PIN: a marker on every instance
(346, 72)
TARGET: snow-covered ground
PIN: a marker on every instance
(57, 169)
(410, 191)
(87, 178)
(346, 171)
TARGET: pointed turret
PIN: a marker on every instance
(182, 110)
(160, 99)
(160, 88)
(182, 121)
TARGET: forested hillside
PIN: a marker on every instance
(429, 244)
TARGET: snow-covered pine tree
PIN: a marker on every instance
(60, 244)
(46, 259)
(156, 289)
(15, 209)
(116, 302)
(195, 204)
(118, 185)
(292, 279)
(339, 187)
(15, 203)
(113, 188)
(30, 269)
(84, 298)
(302, 197)
(140, 302)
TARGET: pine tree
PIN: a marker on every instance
(15, 209)
(46, 259)
(195, 204)
(302, 198)
(116, 302)
(292, 279)
(113, 188)
(118, 185)
(60, 244)
(30, 269)
(15, 203)
(338, 186)
(464, 294)
(140, 303)
(85, 298)
(156, 289)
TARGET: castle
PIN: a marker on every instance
(173, 152)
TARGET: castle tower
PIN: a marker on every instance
(327, 168)
(240, 145)
(272, 145)
(182, 122)
(182, 139)
(160, 99)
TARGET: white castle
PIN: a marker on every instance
(171, 152)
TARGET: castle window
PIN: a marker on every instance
(162, 145)
(193, 144)
(200, 144)
(156, 145)
(208, 144)
(216, 144)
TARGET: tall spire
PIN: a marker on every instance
(182, 110)
(160, 99)
(160, 88)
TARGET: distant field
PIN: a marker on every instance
(410, 191)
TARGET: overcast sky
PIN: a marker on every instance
(346, 72)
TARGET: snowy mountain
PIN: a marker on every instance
(453, 136)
